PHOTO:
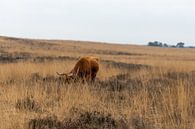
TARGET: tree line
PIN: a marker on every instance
(160, 44)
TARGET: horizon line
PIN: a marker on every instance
(77, 40)
(80, 40)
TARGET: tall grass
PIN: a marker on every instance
(162, 97)
(149, 104)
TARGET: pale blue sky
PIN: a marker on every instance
(120, 21)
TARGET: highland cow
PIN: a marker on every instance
(85, 69)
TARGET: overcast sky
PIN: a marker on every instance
(121, 21)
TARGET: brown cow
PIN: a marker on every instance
(85, 69)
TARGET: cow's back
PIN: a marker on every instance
(87, 68)
(82, 67)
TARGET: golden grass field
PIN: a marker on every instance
(137, 87)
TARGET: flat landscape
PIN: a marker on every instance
(137, 87)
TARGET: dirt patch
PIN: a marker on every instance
(108, 52)
(138, 122)
(119, 83)
(29, 104)
(180, 75)
(123, 82)
(84, 120)
(48, 58)
(15, 57)
(128, 66)
(6, 57)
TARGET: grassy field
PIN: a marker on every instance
(137, 87)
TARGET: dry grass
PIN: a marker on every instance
(158, 93)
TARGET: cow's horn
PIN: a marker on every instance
(60, 74)
(70, 74)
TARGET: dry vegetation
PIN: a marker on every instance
(137, 87)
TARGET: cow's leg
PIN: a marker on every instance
(93, 76)
(83, 76)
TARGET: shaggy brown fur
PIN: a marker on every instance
(85, 69)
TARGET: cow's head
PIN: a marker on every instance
(67, 77)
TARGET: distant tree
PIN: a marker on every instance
(165, 45)
(172, 46)
(155, 43)
(150, 44)
(180, 45)
(160, 44)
